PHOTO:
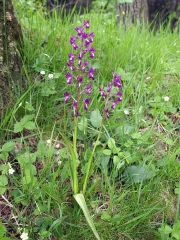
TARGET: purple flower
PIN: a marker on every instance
(86, 103)
(79, 79)
(117, 81)
(66, 97)
(115, 103)
(72, 40)
(75, 108)
(84, 35)
(91, 73)
(71, 66)
(106, 111)
(87, 24)
(109, 87)
(75, 46)
(69, 78)
(71, 57)
(79, 30)
(87, 42)
(92, 51)
(88, 88)
(102, 92)
(80, 56)
(119, 95)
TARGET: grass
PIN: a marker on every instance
(41, 197)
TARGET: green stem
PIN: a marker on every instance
(90, 162)
(75, 158)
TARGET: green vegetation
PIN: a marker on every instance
(133, 191)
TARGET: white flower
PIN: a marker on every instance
(166, 99)
(50, 75)
(148, 78)
(24, 236)
(42, 72)
(126, 111)
(48, 141)
(11, 171)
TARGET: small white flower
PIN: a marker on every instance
(48, 141)
(126, 111)
(50, 75)
(24, 236)
(42, 72)
(166, 99)
(148, 78)
(11, 171)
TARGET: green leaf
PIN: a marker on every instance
(137, 174)
(2, 230)
(82, 203)
(4, 168)
(7, 147)
(25, 122)
(82, 125)
(116, 160)
(176, 230)
(107, 152)
(41, 149)
(96, 118)
(165, 230)
(29, 107)
(30, 125)
(136, 135)
(111, 143)
(105, 216)
(3, 180)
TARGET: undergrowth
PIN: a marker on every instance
(133, 191)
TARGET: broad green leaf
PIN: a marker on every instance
(7, 147)
(30, 125)
(4, 168)
(116, 160)
(2, 190)
(25, 122)
(137, 174)
(136, 135)
(29, 107)
(176, 230)
(111, 143)
(96, 118)
(165, 230)
(41, 149)
(3, 180)
(105, 216)
(107, 152)
(2, 230)
(4, 156)
(82, 125)
(82, 203)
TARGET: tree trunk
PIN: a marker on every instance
(10, 67)
(129, 13)
(68, 5)
(155, 11)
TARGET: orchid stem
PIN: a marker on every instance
(75, 160)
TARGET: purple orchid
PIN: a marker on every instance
(86, 103)
(88, 89)
(91, 73)
(79, 67)
(111, 98)
(66, 97)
